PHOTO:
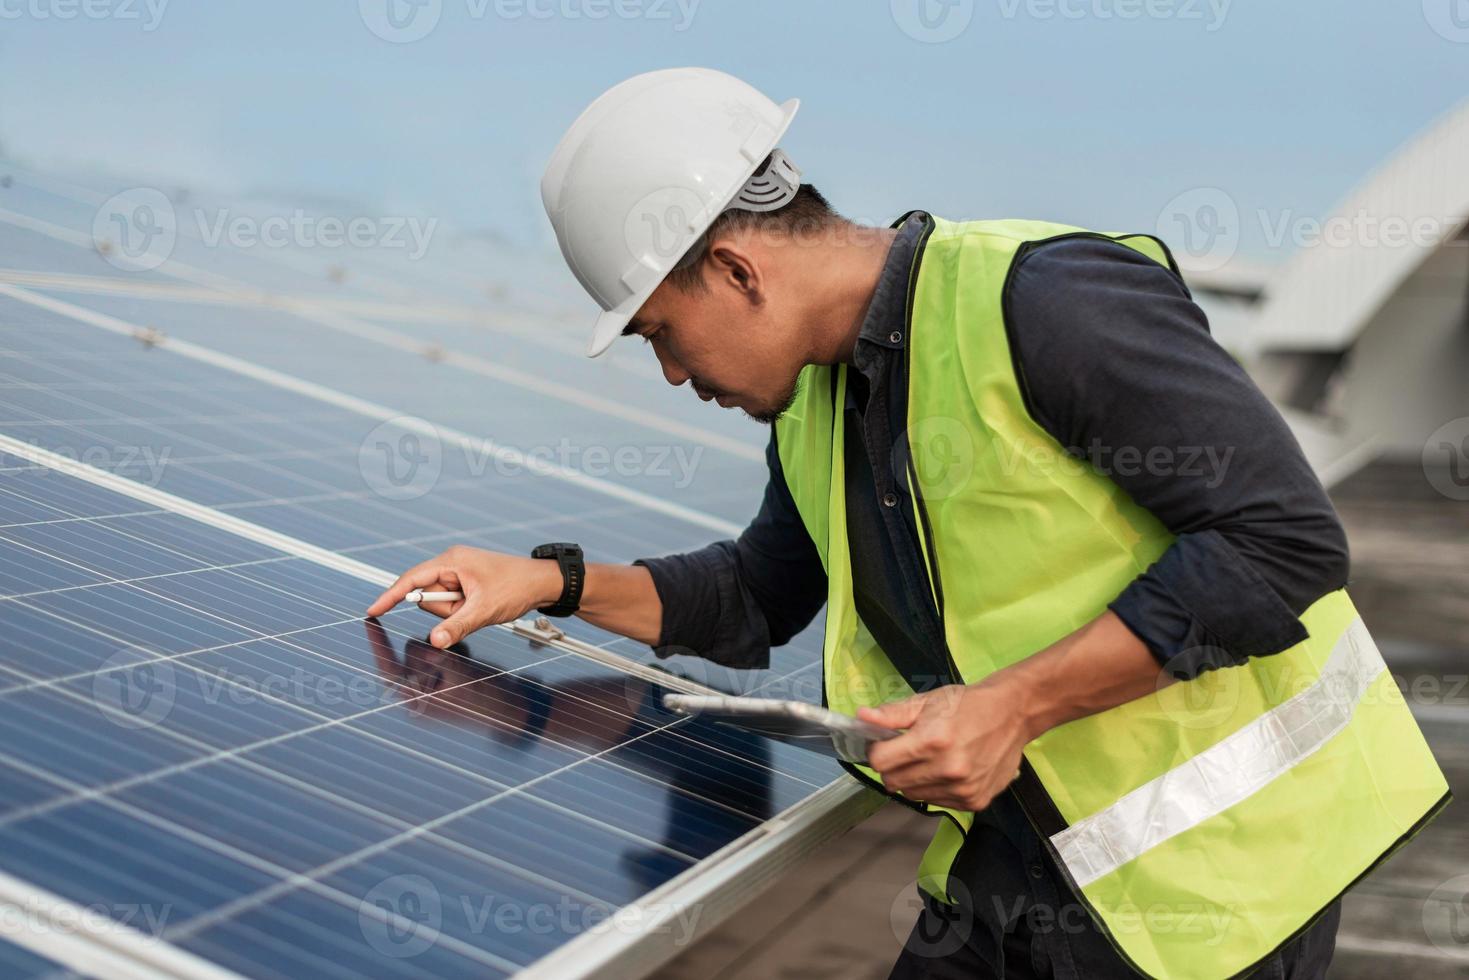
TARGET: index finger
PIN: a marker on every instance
(419, 577)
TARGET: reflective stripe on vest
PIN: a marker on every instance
(1227, 772)
(1203, 825)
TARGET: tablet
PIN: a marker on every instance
(793, 721)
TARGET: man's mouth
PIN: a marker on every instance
(724, 398)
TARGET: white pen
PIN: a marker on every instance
(418, 595)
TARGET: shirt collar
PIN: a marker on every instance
(884, 323)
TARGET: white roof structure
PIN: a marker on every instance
(1381, 235)
(1362, 336)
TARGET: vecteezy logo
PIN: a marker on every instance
(135, 229)
(933, 934)
(401, 459)
(401, 916)
(1207, 701)
(1204, 224)
(658, 226)
(636, 690)
(942, 454)
(932, 21)
(400, 21)
(1448, 18)
(133, 694)
(1446, 915)
(1446, 459)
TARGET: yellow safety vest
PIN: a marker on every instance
(1204, 825)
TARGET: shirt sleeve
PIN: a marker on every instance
(1119, 367)
(731, 601)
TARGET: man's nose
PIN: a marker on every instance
(672, 373)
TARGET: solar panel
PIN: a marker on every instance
(232, 748)
(626, 439)
(292, 463)
(201, 736)
(23, 247)
(453, 268)
(233, 442)
(556, 407)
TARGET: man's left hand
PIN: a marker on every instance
(962, 745)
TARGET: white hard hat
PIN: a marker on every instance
(646, 169)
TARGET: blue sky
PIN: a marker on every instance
(1094, 112)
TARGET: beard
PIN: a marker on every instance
(770, 416)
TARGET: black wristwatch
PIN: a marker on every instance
(573, 575)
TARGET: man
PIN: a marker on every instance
(1062, 541)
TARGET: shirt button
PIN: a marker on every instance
(1036, 871)
(895, 337)
(890, 499)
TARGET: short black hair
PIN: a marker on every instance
(807, 212)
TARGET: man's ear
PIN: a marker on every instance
(735, 265)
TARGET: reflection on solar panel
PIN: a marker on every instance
(211, 765)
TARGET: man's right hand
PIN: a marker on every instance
(497, 588)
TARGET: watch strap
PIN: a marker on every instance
(573, 567)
